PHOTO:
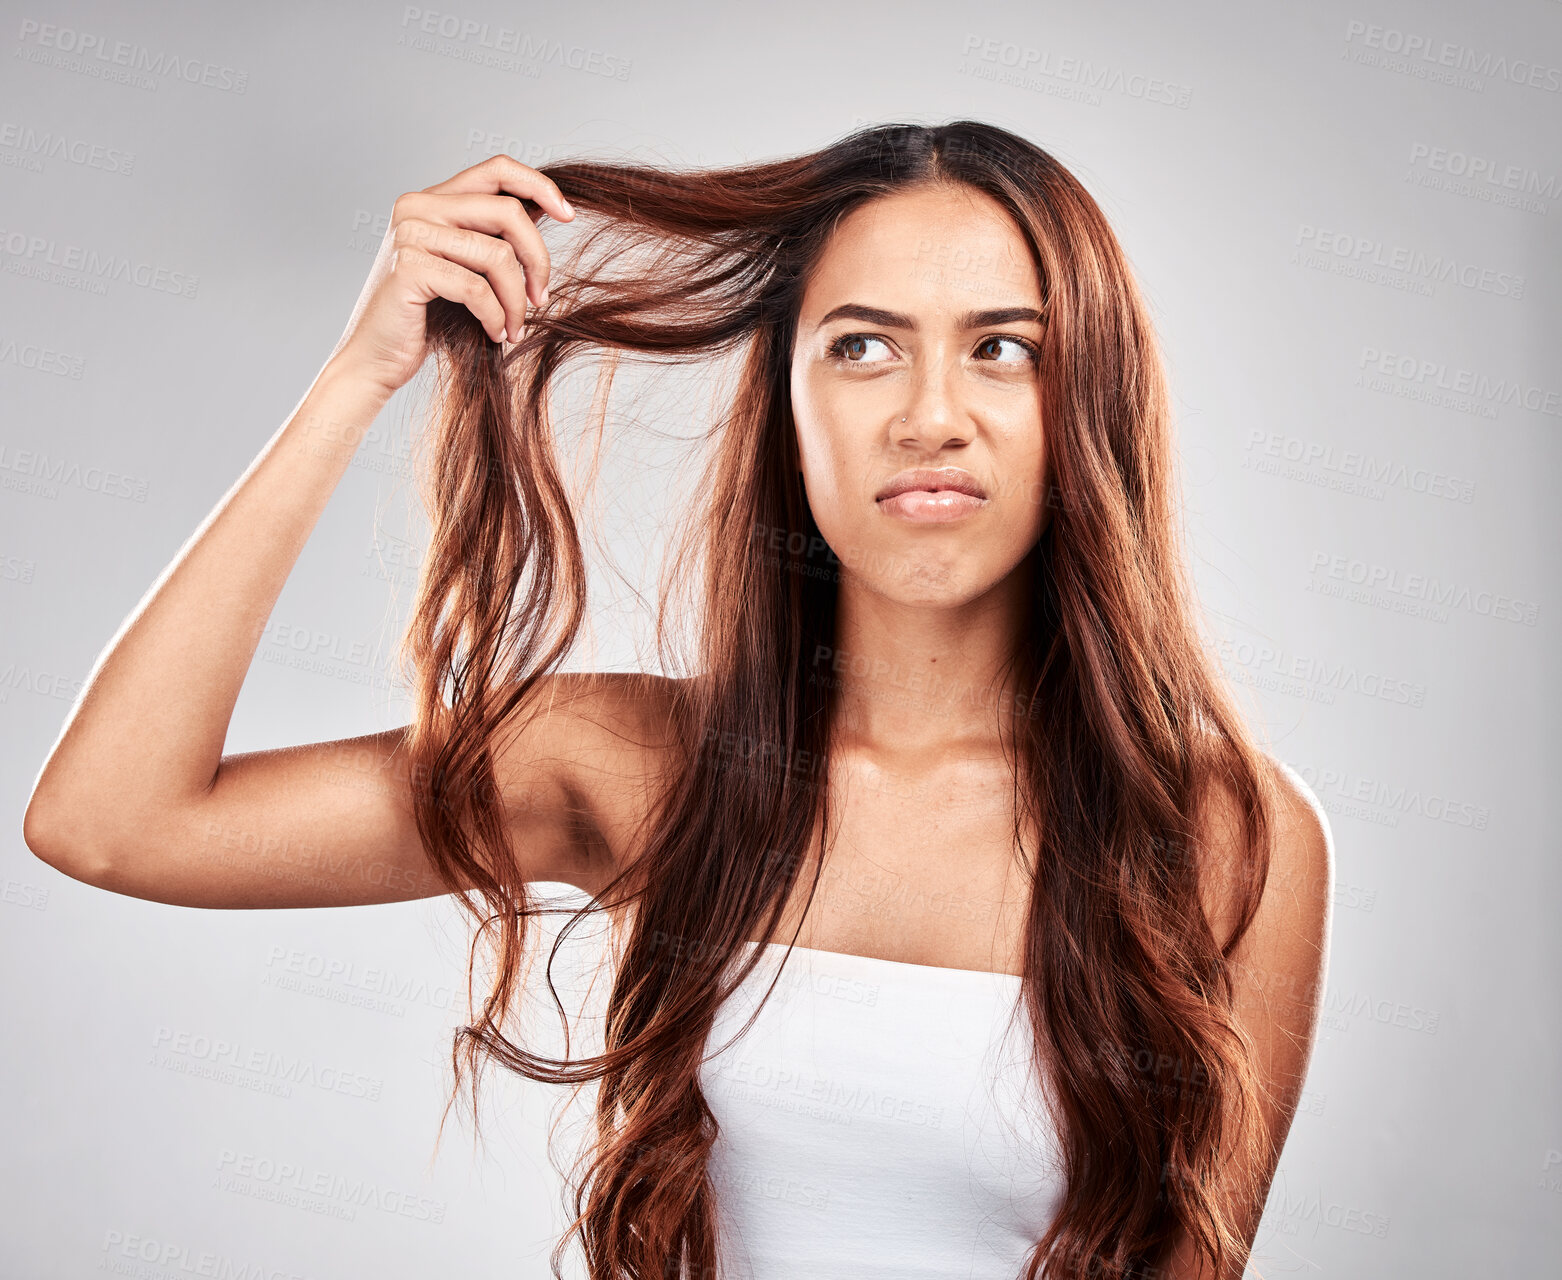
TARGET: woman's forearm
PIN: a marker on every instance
(150, 724)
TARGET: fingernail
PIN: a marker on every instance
(545, 296)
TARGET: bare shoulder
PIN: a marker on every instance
(1299, 886)
(1300, 892)
(592, 749)
(1278, 968)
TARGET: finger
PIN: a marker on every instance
(433, 276)
(489, 257)
(495, 214)
(503, 173)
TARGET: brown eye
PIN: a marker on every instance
(851, 348)
(1028, 352)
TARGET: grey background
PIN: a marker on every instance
(1330, 283)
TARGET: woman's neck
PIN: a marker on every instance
(913, 676)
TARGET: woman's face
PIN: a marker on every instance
(916, 348)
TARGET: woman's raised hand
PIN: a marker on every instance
(472, 239)
(136, 795)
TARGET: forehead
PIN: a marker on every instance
(933, 247)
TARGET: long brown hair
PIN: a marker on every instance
(1131, 726)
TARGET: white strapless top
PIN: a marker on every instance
(879, 1120)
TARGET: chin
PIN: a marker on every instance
(926, 583)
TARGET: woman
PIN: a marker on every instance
(949, 732)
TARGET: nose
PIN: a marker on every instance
(934, 414)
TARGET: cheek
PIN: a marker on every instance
(809, 421)
(823, 445)
(826, 485)
(1027, 490)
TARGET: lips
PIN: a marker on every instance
(932, 481)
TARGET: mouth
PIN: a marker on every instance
(925, 480)
(925, 496)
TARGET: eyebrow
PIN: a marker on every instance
(894, 320)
